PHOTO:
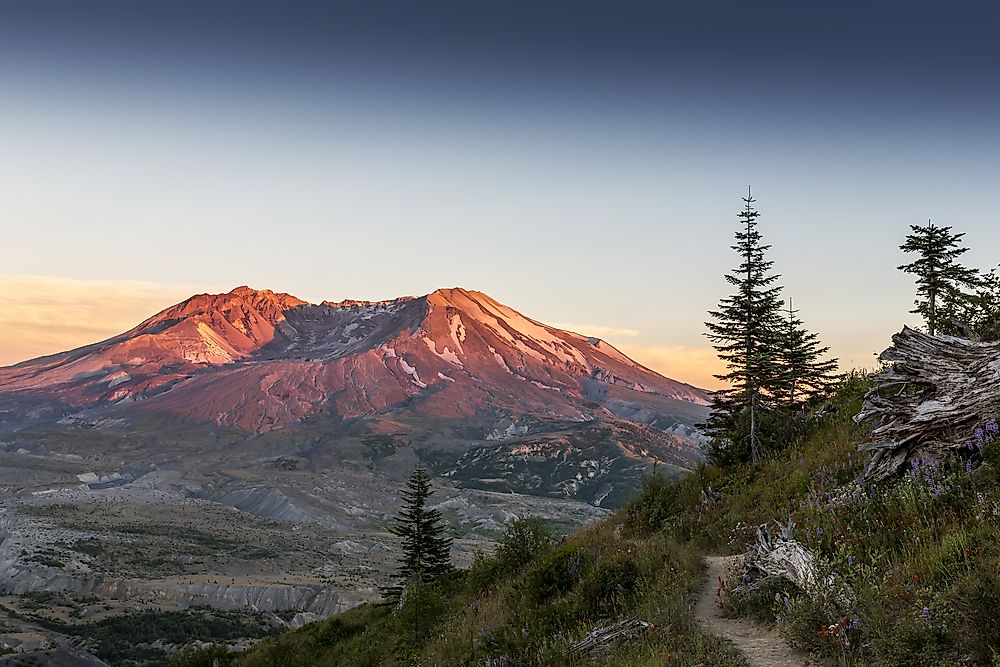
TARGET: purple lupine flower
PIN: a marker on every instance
(993, 428)
(925, 615)
(788, 603)
(850, 560)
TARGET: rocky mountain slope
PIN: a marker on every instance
(256, 361)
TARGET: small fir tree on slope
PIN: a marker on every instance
(426, 547)
(941, 281)
(806, 375)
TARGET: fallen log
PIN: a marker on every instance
(929, 400)
(600, 638)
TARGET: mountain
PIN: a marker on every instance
(258, 361)
(262, 401)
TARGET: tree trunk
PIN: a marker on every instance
(929, 401)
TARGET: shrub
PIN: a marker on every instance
(205, 656)
(765, 603)
(558, 573)
(524, 540)
(336, 630)
(657, 503)
(913, 642)
(423, 607)
(977, 599)
(610, 582)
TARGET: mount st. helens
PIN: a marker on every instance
(246, 398)
(257, 361)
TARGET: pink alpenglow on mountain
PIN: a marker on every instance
(257, 360)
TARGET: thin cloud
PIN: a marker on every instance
(597, 331)
(42, 315)
(694, 365)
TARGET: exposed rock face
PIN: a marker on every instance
(257, 361)
(17, 580)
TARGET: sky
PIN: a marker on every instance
(580, 161)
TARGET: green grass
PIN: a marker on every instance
(911, 572)
(529, 603)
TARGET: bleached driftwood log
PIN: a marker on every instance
(780, 556)
(930, 399)
(600, 638)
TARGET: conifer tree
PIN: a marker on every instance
(745, 331)
(426, 547)
(941, 280)
(805, 374)
(984, 314)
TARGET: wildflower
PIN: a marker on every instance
(788, 603)
(925, 615)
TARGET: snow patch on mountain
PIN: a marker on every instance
(457, 331)
(447, 354)
(412, 372)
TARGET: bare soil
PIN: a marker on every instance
(762, 646)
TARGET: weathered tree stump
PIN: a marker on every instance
(777, 556)
(930, 399)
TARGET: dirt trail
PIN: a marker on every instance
(762, 646)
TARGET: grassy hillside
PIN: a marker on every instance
(911, 572)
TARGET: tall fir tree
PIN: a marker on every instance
(426, 547)
(745, 331)
(806, 375)
(942, 282)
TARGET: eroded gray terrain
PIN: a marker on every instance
(85, 538)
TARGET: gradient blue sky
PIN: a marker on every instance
(580, 161)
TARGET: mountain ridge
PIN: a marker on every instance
(257, 360)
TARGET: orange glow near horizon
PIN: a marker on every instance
(41, 315)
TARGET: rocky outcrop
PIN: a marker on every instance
(19, 579)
